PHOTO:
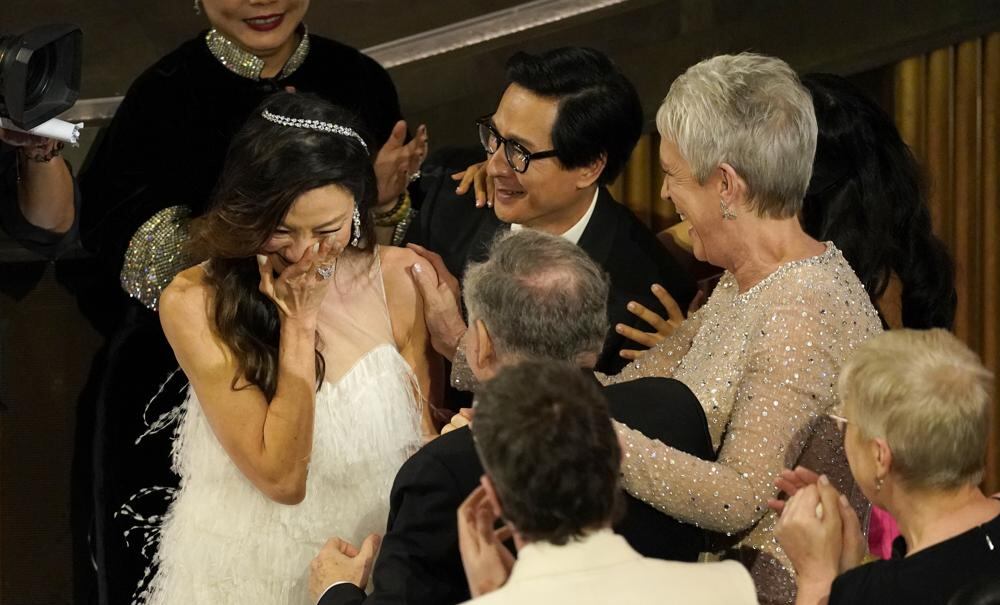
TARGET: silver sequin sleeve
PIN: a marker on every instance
(788, 371)
(763, 364)
(462, 378)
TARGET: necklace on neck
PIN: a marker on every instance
(248, 65)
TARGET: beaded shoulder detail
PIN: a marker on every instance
(156, 254)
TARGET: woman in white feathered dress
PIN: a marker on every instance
(310, 366)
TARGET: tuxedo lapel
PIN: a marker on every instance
(599, 235)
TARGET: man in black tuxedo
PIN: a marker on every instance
(561, 133)
(536, 297)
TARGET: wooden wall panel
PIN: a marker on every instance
(947, 106)
(966, 235)
(638, 193)
(910, 89)
(990, 268)
(935, 144)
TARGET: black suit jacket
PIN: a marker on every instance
(452, 226)
(419, 562)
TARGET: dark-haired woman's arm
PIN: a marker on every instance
(269, 441)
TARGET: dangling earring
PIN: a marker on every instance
(727, 214)
(356, 232)
(197, 7)
(878, 484)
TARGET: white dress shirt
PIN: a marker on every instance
(573, 233)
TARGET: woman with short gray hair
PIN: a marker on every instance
(916, 418)
(763, 354)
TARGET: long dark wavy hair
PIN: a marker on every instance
(867, 196)
(268, 167)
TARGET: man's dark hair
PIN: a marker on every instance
(545, 439)
(599, 110)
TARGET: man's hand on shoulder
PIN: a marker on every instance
(440, 293)
(340, 561)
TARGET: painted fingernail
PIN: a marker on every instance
(630, 306)
(261, 259)
(655, 288)
(843, 500)
(824, 480)
(315, 248)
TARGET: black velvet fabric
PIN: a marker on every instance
(169, 137)
(165, 147)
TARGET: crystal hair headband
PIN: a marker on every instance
(315, 125)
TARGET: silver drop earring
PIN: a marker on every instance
(197, 7)
(356, 231)
(727, 214)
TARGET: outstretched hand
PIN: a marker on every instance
(462, 418)
(398, 160)
(475, 176)
(440, 293)
(299, 289)
(791, 482)
(340, 561)
(661, 327)
(486, 560)
(811, 533)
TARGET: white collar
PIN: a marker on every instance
(594, 550)
(573, 233)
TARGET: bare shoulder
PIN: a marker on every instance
(184, 302)
(401, 295)
(187, 291)
(396, 263)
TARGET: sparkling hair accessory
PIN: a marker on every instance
(315, 125)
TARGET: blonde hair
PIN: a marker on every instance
(752, 112)
(929, 397)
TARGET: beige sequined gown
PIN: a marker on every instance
(764, 365)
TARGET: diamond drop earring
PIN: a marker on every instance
(356, 232)
(197, 7)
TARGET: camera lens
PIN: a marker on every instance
(39, 75)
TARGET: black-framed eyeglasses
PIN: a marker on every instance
(518, 158)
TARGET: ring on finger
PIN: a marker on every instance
(414, 175)
(325, 271)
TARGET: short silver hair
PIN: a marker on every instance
(752, 112)
(540, 296)
(929, 396)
